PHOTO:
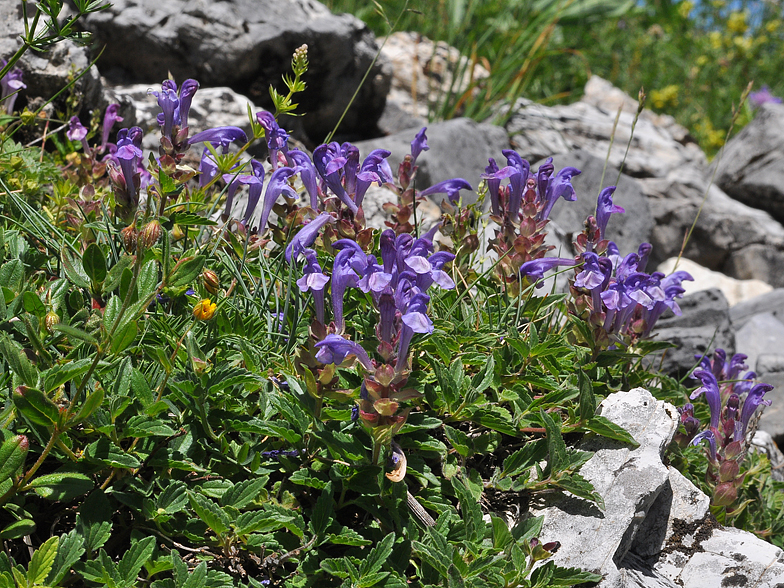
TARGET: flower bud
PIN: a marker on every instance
(211, 281)
(150, 234)
(725, 494)
(51, 320)
(204, 310)
(728, 470)
(129, 236)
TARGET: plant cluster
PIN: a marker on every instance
(194, 392)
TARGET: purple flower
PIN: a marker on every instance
(208, 168)
(343, 277)
(760, 97)
(129, 154)
(712, 395)
(517, 181)
(534, 270)
(374, 170)
(493, 185)
(10, 85)
(750, 404)
(558, 187)
(329, 162)
(418, 145)
(222, 135)
(277, 138)
(110, 117)
(187, 90)
(77, 132)
(278, 185)
(335, 349)
(306, 236)
(415, 320)
(707, 434)
(449, 187)
(255, 182)
(604, 208)
(314, 281)
(175, 106)
(307, 172)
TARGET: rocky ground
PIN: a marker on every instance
(656, 533)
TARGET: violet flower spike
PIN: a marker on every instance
(110, 117)
(343, 277)
(415, 320)
(278, 185)
(255, 183)
(335, 349)
(314, 281)
(375, 169)
(493, 184)
(168, 103)
(516, 181)
(277, 138)
(208, 169)
(449, 187)
(329, 164)
(418, 145)
(763, 96)
(605, 208)
(187, 90)
(707, 434)
(77, 132)
(306, 236)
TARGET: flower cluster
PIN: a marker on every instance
(10, 86)
(618, 298)
(734, 402)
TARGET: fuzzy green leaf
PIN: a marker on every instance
(606, 428)
(209, 512)
(13, 452)
(133, 560)
(185, 271)
(18, 529)
(36, 406)
(556, 448)
(62, 486)
(94, 263)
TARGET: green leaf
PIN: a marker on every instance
(12, 274)
(114, 277)
(454, 578)
(243, 493)
(18, 361)
(580, 487)
(148, 279)
(502, 537)
(62, 486)
(112, 311)
(587, 398)
(209, 512)
(377, 556)
(13, 452)
(556, 448)
(60, 374)
(42, 561)
(134, 559)
(174, 498)
(94, 263)
(90, 404)
(472, 512)
(74, 333)
(145, 426)
(36, 406)
(305, 477)
(124, 336)
(572, 576)
(348, 536)
(486, 376)
(524, 458)
(185, 271)
(69, 550)
(93, 521)
(18, 529)
(322, 512)
(606, 428)
(108, 454)
(496, 418)
(197, 578)
(190, 219)
(459, 440)
(32, 304)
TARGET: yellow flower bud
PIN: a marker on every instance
(204, 309)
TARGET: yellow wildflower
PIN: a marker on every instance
(204, 309)
(736, 23)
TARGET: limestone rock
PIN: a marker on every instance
(761, 334)
(735, 291)
(752, 168)
(772, 302)
(247, 45)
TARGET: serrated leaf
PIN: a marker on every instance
(524, 458)
(486, 375)
(501, 534)
(322, 512)
(606, 428)
(377, 556)
(580, 487)
(174, 498)
(496, 418)
(148, 279)
(73, 269)
(471, 511)
(304, 477)
(556, 448)
(94, 263)
(197, 578)
(69, 550)
(243, 493)
(133, 560)
(114, 277)
(109, 454)
(190, 219)
(60, 374)
(454, 578)
(459, 440)
(62, 486)
(587, 398)
(209, 512)
(145, 426)
(42, 561)
(348, 536)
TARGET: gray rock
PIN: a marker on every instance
(705, 323)
(761, 334)
(763, 441)
(628, 230)
(539, 131)
(770, 369)
(247, 45)
(47, 73)
(655, 531)
(629, 480)
(459, 148)
(752, 168)
(772, 302)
